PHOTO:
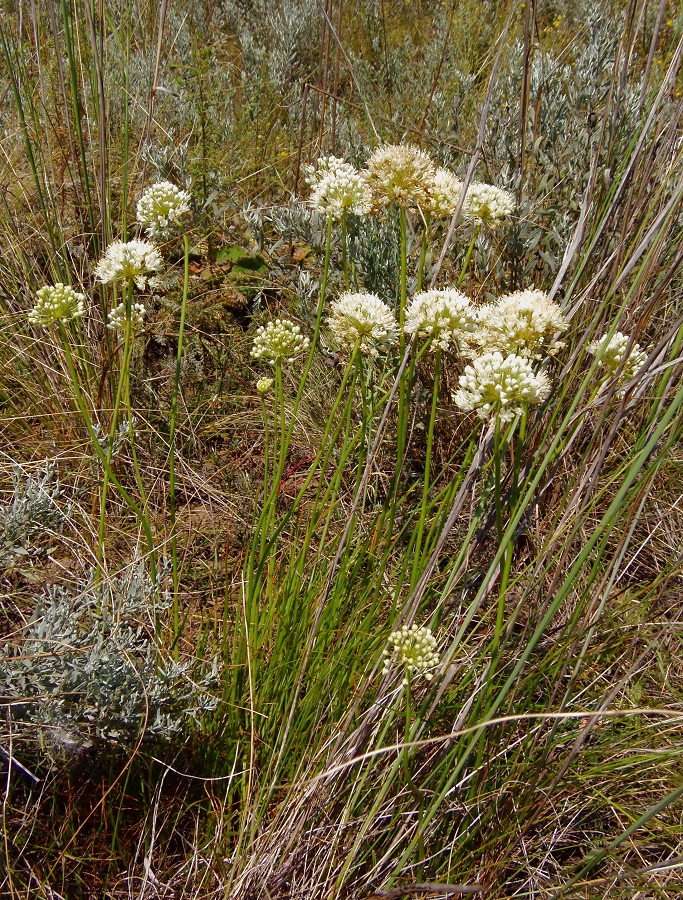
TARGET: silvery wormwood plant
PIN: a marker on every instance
(32, 512)
(88, 669)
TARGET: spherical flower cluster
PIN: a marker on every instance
(279, 340)
(263, 385)
(116, 320)
(132, 261)
(610, 352)
(162, 206)
(364, 322)
(487, 204)
(413, 648)
(524, 323)
(56, 303)
(497, 385)
(444, 316)
(401, 174)
(338, 187)
(444, 194)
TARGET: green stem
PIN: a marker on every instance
(80, 402)
(468, 255)
(345, 265)
(423, 255)
(171, 440)
(428, 461)
(123, 377)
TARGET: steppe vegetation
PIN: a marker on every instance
(342, 419)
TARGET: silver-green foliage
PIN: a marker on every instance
(32, 512)
(89, 668)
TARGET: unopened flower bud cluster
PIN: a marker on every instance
(611, 351)
(116, 320)
(279, 340)
(161, 207)
(132, 261)
(363, 322)
(497, 385)
(263, 385)
(338, 187)
(414, 648)
(447, 317)
(56, 303)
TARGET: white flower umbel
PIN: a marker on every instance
(401, 174)
(444, 316)
(135, 261)
(610, 351)
(56, 303)
(487, 204)
(497, 385)
(116, 320)
(263, 385)
(279, 340)
(444, 194)
(362, 321)
(524, 323)
(414, 649)
(338, 187)
(161, 207)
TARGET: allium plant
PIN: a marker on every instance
(488, 205)
(362, 322)
(524, 323)
(162, 207)
(447, 317)
(134, 261)
(611, 352)
(401, 174)
(500, 386)
(414, 649)
(338, 188)
(279, 341)
(56, 303)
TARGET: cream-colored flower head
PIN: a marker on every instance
(338, 187)
(524, 323)
(401, 174)
(116, 320)
(279, 340)
(135, 260)
(414, 649)
(263, 385)
(362, 321)
(487, 204)
(56, 303)
(444, 194)
(611, 351)
(497, 385)
(161, 207)
(446, 317)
